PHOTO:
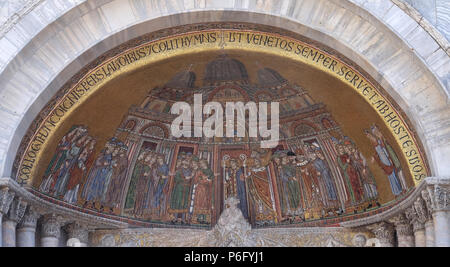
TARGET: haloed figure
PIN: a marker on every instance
(384, 160)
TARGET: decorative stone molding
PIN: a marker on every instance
(420, 209)
(384, 232)
(17, 210)
(6, 198)
(402, 225)
(440, 197)
(78, 231)
(427, 200)
(51, 226)
(435, 33)
(42, 206)
(30, 218)
(360, 240)
(232, 230)
(18, 14)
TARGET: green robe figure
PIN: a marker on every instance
(180, 197)
(139, 171)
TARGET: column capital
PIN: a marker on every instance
(418, 214)
(402, 225)
(51, 226)
(384, 232)
(6, 198)
(30, 218)
(78, 231)
(439, 197)
(17, 210)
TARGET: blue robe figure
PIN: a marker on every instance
(97, 178)
(384, 160)
(322, 167)
(64, 174)
(159, 197)
(241, 191)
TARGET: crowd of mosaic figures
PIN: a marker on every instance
(307, 185)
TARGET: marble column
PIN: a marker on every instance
(429, 233)
(418, 217)
(419, 234)
(384, 232)
(441, 228)
(6, 198)
(26, 230)
(15, 214)
(78, 235)
(429, 223)
(439, 198)
(50, 231)
(405, 235)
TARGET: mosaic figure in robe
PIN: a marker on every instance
(139, 169)
(180, 195)
(258, 185)
(387, 159)
(58, 159)
(290, 187)
(70, 161)
(119, 175)
(235, 177)
(351, 175)
(161, 180)
(79, 171)
(324, 172)
(367, 179)
(203, 198)
(95, 184)
(144, 187)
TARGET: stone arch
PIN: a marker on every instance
(406, 62)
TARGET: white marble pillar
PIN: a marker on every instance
(419, 234)
(6, 198)
(429, 233)
(15, 214)
(418, 215)
(429, 224)
(78, 235)
(405, 234)
(441, 228)
(26, 230)
(384, 232)
(440, 205)
(50, 231)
